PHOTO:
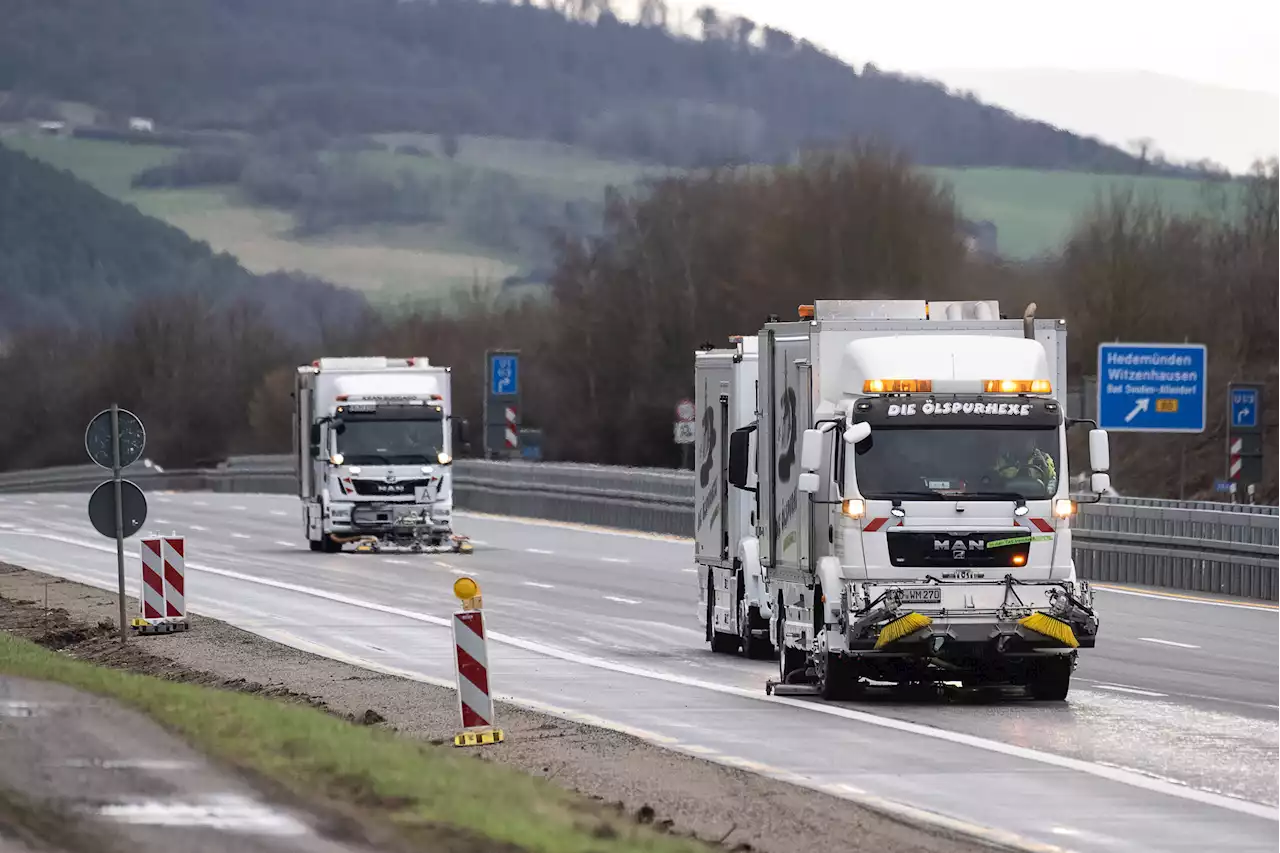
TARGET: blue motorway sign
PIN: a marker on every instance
(1244, 408)
(1223, 486)
(505, 377)
(1152, 387)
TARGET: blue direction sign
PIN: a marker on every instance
(505, 378)
(1152, 387)
(1223, 486)
(1244, 408)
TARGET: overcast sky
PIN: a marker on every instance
(1226, 43)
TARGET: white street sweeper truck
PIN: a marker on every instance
(373, 440)
(911, 512)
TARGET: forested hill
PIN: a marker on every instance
(73, 257)
(735, 92)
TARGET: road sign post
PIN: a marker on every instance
(686, 415)
(1244, 436)
(1152, 387)
(502, 399)
(115, 439)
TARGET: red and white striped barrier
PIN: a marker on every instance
(163, 600)
(511, 436)
(475, 702)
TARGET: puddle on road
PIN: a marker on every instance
(224, 813)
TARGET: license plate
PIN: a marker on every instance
(921, 595)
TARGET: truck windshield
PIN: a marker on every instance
(978, 464)
(391, 442)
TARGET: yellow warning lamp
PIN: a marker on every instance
(1017, 386)
(468, 591)
(805, 312)
(897, 386)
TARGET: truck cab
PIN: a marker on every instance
(374, 441)
(913, 496)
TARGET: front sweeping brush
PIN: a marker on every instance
(901, 627)
(1043, 623)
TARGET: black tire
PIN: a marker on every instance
(316, 546)
(752, 646)
(721, 643)
(330, 546)
(789, 659)
(1050, 678)
(837, 681)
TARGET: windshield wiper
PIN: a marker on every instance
(889, 496)
(1008, 496)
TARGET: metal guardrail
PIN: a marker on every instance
(1199, 546)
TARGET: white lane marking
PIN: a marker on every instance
(1102, 771)
(581, 528)
(1245, 702)
(396, 562)
(127, 763)
(64, 506)
(1184, 599)
(538, 551)
(279, 512)
(239, 536)
(1168, 643)
(621, 600)
(201, 529)
(1137, 691)
(30, 503)
(285, 544)
(158, 520)
(199, 503)
(539, 585)
(613, 560)
(690, 571)
(226, 813)
(900, 811)
(240, 508)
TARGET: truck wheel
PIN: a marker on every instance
(837, 681)
(721, 643)
(789, 659)
(1050, 678)
(329, 546)
(316, 546)
(752, 647)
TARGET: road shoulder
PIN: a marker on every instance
(683, 795)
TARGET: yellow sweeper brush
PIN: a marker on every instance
(901, 627)
(1043, 623)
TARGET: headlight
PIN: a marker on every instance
(444, 458)
(336, 459)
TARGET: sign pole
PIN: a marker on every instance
(115, 484)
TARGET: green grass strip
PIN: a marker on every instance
(429, 791)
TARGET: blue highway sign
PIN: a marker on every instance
(505, 377)
(1244, 408)
(1152, 387)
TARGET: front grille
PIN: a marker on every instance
(957, 550)
(383, 489)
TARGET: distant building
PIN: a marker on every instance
(142, 125)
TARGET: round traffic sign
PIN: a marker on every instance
(102, 509)
(97, 438)
(685, 410)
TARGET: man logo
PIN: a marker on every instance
(959, 547)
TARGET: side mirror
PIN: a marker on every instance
(460, 440)
(857, 432)
(315, 439)
(811, 450)
(740, 458)
(1099, 451)
(1100, 483)
(809, 482)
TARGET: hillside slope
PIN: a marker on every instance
(72, 256)
(513, 70)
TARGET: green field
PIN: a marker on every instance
(1033, 211)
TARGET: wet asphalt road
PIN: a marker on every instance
(81, 773)
(1168, 740)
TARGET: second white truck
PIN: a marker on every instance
(907, 475)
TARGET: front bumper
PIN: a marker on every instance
(386, 518)
(1001, 617)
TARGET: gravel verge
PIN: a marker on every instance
(683, 794)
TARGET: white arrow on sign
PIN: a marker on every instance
(1242, 415)
(1142, 406)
